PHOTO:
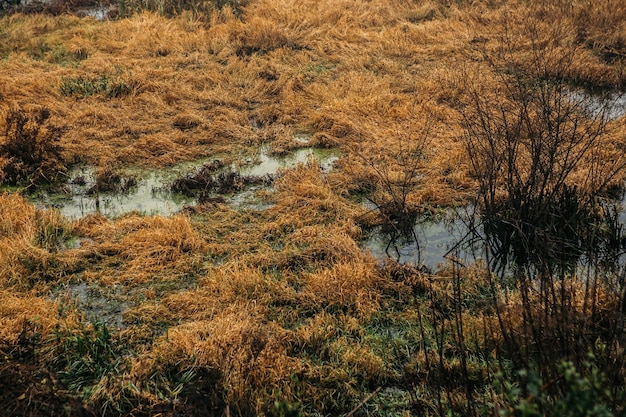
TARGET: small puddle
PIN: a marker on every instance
(269, 165)
(97, 306)
(97, 12)
(150, 194)
(613, 105)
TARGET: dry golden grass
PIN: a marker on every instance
(32, 245)
(352, 288)
(148, 248)
(23, 313)
(251, 301)
(242, 358)
(228, 288)
(17, 216)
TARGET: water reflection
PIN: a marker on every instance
(146, 196)
(466, 236)
(611, 105)
(432, 244)
(269, 165)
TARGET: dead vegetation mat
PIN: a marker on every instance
(245, 312)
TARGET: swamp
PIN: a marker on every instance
(313, 208)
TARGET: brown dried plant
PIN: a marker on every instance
(264, 312)
(29, 148)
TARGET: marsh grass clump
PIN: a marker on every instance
(109, 180)
(144, 249)
(202, 180)
(28, 323)
(51, 230)
(210, 178)
(186, 122)
(30, 149)
(600, 28)
(112, 87)
(236, 362)
(85, 356)
(84, 87)
(32, 245)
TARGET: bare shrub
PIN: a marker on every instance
(545, 161)
(30, 148)
(390, 172)
(538, 148)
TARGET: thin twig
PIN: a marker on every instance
(362, 403)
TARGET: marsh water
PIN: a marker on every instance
(100, 12)
(435, 243)
(148, 197)
(151, 195)
(613, 105)
(98, 304)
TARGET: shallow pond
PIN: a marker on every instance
(150, 195)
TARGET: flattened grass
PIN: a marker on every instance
(254, 312)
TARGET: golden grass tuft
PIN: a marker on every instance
(352, 288)
(24, 313)
(601, 26)
(16, 216)
(259, 35)
(305, 191)
(314, 246)
(151, 248)
(242, 359)
(359, 360)
(232, 288)
(32, 245)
